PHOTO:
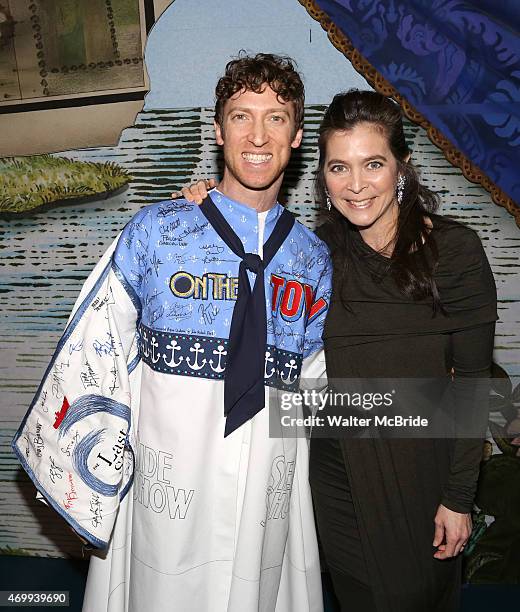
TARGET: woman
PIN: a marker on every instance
(413, 296)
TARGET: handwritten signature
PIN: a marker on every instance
(173, 208)
(148, 299)
(37, 440)
(58, 377)
(55, 471)
(169, 240)
(215, 259)
(208, 313)
(132, 229)
(105, 347)
(96, 509)
(179, 312)
(196, 229)
(286, 332)
(72, 495)
(108, 300)
(75, 346)
(305, 263)
(170, 227)
(89, 377)
(156, 314)
(212, 249)
(70, 445)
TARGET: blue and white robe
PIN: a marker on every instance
(130, 421)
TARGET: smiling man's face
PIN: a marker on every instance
(257, 133)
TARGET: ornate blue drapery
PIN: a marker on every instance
(457, 62)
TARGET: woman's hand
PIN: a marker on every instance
(196, 192)
(452, 531)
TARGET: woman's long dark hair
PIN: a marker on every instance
(414, 254)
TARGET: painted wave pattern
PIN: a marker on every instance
(45, 258)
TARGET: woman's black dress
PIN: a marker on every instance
(375, 499)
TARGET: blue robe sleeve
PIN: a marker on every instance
(75, 441)
(313, 367)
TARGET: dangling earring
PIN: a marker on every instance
(328, 200)
(401, 182)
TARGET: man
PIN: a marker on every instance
(162, 376)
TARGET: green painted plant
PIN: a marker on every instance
(16, 552)
(29, 182)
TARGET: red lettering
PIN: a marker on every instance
(292, 300)
(277, 282)
(309, 296)
(317, 308)
(292, 297)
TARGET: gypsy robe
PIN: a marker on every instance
(130, 420)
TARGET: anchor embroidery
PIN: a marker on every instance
(220, 352)
(155, 344)
(144, 345)
(292, 366)
(196, 365)
(169, 353)
(268, 359)
(174, 346)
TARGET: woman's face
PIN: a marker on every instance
(360, 175)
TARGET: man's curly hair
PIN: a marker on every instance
(251, 73)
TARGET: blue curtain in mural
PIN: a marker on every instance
(457, 62)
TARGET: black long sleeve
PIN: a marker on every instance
(472, 351)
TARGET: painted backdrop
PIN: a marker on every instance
(46, 255)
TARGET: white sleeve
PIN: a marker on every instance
(73, 441)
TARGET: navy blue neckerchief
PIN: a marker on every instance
(244, 378)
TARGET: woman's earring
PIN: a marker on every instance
(328, 200)
(401, 182)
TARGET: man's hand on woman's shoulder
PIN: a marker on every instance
(195, 192)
